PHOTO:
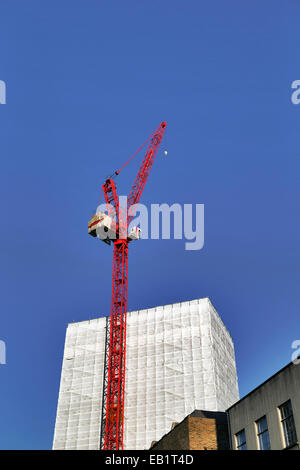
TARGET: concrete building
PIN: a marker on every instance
(200, 430)
(179, 358)
(269, 416)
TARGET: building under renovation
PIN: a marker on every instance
(179, 358)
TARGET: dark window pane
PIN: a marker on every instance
(288, 424)
(241, 440)
(262, 425)
(263, 434)
(286, 410)
(264, 441)
(289, 431)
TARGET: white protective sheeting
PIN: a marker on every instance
(179, 358)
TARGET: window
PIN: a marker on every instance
(263, 434)
(288, 423)
(241, 440)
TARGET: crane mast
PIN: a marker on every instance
(114, 422)
(115, 368)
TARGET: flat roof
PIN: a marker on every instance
(262, 384)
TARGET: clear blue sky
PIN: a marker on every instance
(87, 82)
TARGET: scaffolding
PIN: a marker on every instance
(179, 357)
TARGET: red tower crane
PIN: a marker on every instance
(114, 227)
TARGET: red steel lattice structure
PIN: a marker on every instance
(115, 393)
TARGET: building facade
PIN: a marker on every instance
(179, 358)
(268, 418)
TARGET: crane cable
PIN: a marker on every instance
(129, 160)
(126, 163)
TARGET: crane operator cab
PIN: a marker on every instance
(103, 227)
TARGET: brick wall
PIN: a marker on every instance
(177, 438)
(201, 430)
